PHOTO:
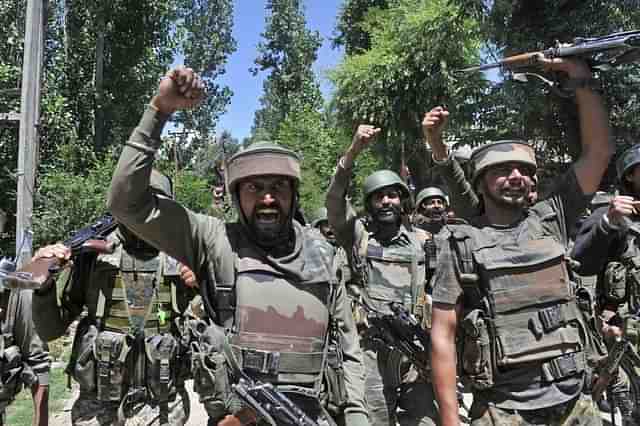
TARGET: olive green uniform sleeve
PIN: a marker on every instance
(464, 201)
(354, 372)
(34, 351)
(50, 319)
(340, 213)
(160, 221)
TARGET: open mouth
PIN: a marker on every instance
(268, 215)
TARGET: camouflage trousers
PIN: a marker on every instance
(581, 411)
(393, 391)
(88, 411)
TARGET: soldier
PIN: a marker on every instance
(130, 350)
(388, 265)
(266, 279)
(503, 284)
(321, 223)
(607, 246)
(24, 356)
(431, 209)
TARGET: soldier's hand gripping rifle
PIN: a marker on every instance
(600, 53)
(90, 239)
(610, 366)
(402, 331)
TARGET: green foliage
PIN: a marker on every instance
(305, 131)
(408, 69)
(192, 191)
(349, 29)
(288, 52)
(207, 41)
(524, 110)
(67, 201)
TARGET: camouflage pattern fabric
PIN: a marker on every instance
(91, 412)
(581, 411)
(392, 384)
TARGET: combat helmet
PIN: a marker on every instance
(626, 161)
(320, 215)
(380, 179)
(499, 152)
(430, 192)
(261, 159)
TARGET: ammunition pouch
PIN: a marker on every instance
(110, 351)
(336, 392)
(13, 374)
(210, 373)
(631, 329)
(475, 355)
(162, 375)
(82, 366)
(615, 282)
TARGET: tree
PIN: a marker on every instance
(351, 30)
(551, 122)
(409, 67)
(207, 42)
(288, 52)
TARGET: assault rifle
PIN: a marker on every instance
(264, 401)
(90, 239)
(600, 53)
(402, 331)
(610, 366)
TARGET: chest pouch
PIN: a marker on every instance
(110, 352)
(615, 282)
(161, 351)
(393, 275)
(534, 316)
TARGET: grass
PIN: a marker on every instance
(20, 412)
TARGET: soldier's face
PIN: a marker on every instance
(266, 202)
(433, 207)
(508, 185)
(386, 205)
(327, 231)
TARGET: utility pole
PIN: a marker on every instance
(28, 141)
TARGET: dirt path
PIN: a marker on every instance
(198, 415)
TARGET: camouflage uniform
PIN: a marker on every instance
(613, 254)
(539, 374)
(395, 272)
(280, 310)
(130, 351)
(24, 357)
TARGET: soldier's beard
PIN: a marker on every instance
(387, 216)
(270, 225)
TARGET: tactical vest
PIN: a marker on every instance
(144, 296)
(281, 323)
(391, 274)
(520, 306)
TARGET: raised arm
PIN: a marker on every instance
(157, 219)
(339, 211)
(464, 201)
(597, 148)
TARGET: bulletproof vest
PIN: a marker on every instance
(522, 290)
(144, 295)
(622, 279)
(281, 319)
(392, 273)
